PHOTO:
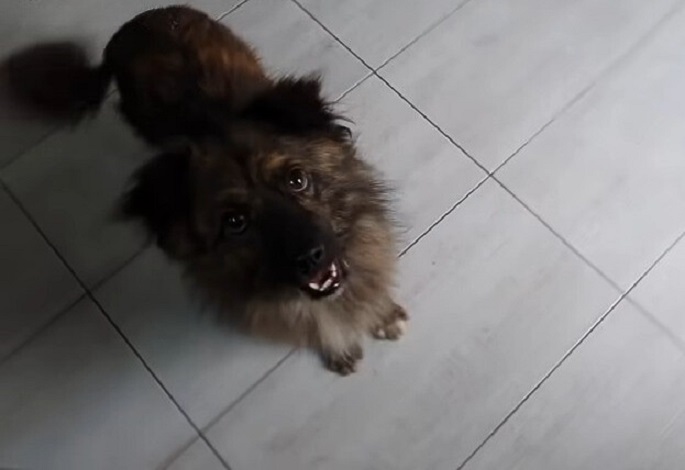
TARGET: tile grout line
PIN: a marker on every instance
(560, 237)
(658, 324)
(113, 272)
(443, 216)
(88, 294)
(400, 95)
(82, 296)
(599, 78)
(52, 131)
(231, 406)
(38, 331)
(449, 138)
(352, 88)
(429, 29)
(231, 10)
(424, 116)
(601, 75)
(235, 402)
(568, 353)
(597, 269)
(385, 81)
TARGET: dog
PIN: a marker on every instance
(257, 191)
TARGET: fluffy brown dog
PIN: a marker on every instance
(265, 202)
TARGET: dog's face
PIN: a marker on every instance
(264, 216)
(278, 206)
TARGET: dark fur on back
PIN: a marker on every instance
(258, 191)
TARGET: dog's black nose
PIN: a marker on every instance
(309, 263)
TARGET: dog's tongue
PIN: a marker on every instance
(322, 275)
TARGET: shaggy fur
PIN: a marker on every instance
(258, 192)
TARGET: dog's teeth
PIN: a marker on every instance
(327, 284)
(314, 285)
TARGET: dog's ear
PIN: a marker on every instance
(296, 106)
(160, 198)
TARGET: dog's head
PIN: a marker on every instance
(273, 207)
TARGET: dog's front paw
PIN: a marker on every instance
(394, 325)
(344, 363)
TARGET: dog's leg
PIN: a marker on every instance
(339, 344)
(392, 325)
(343, 362)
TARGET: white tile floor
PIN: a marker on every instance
(538, 148)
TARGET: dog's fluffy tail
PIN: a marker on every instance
(56, 80)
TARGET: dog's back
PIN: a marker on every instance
(174, 65)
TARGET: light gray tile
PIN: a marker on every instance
(71, 183)
(34, 284)
(377, 30)
(204, 364)
(661, 291)
(76, 397)
(495, 301)
(616, 403)
(290, 42)
(24, 23)
(19, 130)
(495, 72)
(197, 457)
(608, 175)
(429, 174)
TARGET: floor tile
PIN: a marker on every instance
(495, 301)
(35, 284)
(661, 294)
(427, 172)
(25, 23)
(608, 175)
(19, 131)
(380, 29)
(290, 42)
(197, 457)
(71, 183)
(616, 403)
(205, 365)
(494, 73)
(76, 397)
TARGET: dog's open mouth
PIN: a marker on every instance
(327, 281)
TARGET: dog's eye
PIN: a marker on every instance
(234, 223)
(298, 180)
